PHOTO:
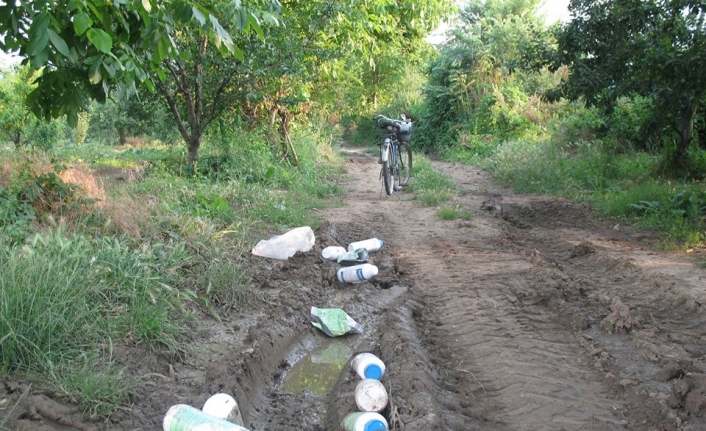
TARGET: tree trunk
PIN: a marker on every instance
(376, 81)
(194, 143)
(686, 124)
(123, 135)
(15, 138)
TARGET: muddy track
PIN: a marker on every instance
(531, 316)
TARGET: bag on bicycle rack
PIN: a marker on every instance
(405, 132)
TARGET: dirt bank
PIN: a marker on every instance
(532, 316)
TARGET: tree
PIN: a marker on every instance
(85, 48)
(15, 117)
(621, 48)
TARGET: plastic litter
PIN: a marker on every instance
(356, 257)
(357, 273)
(334, 321)
(370, 395)
(284, 246)
(364, 421)
(186, 418)
(368, 366)
(223, 406)
(332, 252)
(372, 244)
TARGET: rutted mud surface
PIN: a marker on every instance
(531, 316)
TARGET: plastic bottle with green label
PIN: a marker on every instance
(182, 417)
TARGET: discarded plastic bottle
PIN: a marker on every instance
(186, 418)
(370, 395)
(223, 406)
(372, 244)
(357, 273)
(368, 366)
(332, 252)
(364, 421)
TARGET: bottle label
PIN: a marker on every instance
(359, 274)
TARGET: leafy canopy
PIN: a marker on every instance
(86, 47)
(654, 48)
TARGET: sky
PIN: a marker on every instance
(555, 10)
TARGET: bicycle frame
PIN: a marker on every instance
(391, 158)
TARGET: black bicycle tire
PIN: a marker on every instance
(405, 163)
(387, 173)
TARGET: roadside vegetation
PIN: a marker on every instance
(131, 182)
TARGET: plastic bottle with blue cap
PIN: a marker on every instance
(368, 366)
(364, 421)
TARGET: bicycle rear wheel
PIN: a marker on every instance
(387, 172)
(404, 163)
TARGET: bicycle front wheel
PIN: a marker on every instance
(404, 163)
(387, 172)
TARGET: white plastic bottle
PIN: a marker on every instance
(357, 273)
(370, 395)
(364, 421)
(223, 406)
(332, 252)
(372, 244)
(368, 366)
(186, 418)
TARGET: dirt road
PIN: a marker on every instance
(531, 316)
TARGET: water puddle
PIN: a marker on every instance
(318, 371)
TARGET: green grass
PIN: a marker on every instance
(139, 267)
(454, 213)
(430, 186)
(64, 299)
(615, 185)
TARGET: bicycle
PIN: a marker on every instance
(395, 152)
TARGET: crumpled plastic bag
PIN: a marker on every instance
(284, 246)
(334, 321)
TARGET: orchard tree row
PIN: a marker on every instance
(261, 61)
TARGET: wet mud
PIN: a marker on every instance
(533, 315)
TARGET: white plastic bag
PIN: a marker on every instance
(284, 246)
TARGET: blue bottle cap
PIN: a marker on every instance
(375, 425)
(373, 371)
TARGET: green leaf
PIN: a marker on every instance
(59, 43)
(82, 22)
(102, 40)
(198, 14)
(256, 26)
(94, 73)
(38, 35)
(146, 4)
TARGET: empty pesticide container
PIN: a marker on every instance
(368, 366)
(357, 273)
(223, 406)
(372, 244)
(370, 395)
(364, 421)
(332, 252)
(182, 417)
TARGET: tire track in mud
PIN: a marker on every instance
(537, 316)
(493, 356)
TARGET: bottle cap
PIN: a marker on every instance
(375, 425)
(373, 371)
